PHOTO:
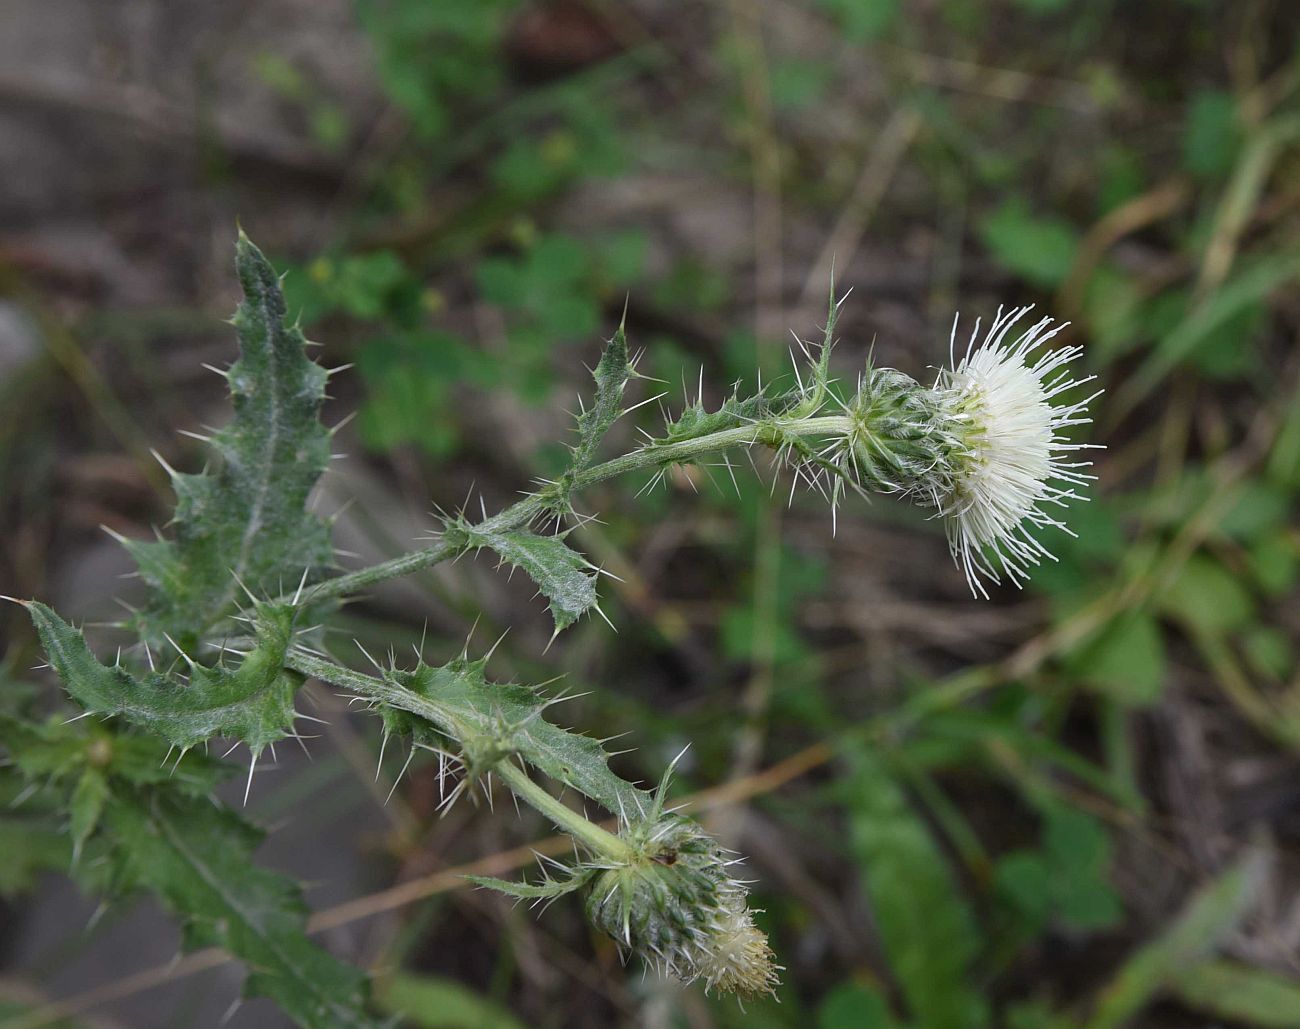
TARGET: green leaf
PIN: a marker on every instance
(368, 286)
(555, 263)
(1260, 509)
(928, 932)
(741, 622)
(546, 283)
(1211, 135)
(436, 1003)
(412, 379)
(1114, 313)
(198, 858)
(1068, 879)
(508, 718)
(850, 1006)
(1039, 249)
(364, 284)
(43, 751)
(611, 375)
(1024, 879)
(620, 258)
(798, 84)
(864, 19)
(547, 890)
(1275, 561)
(1126, 660)
(1251, 284)
(1078, 849)
(1226, 352)
(1036, 1014)
(696, 420)
(253, 703)
(1207, 597)
(1210, 916)
(169, 838)
(88, 799)
(1269, 652)
(1122, 176)
(248, 518)
(1237, 993)
(466, 36)
(960, 736)
(1284, 455)
(30, 845)
(61, 750)
(565, 577)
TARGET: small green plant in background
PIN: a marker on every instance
(550, 296)
(994, 816)
(239, 595)
(523, 151)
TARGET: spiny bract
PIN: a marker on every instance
(676, 904)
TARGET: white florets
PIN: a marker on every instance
(733, 956)
(1011, 452)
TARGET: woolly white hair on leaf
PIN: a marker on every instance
(1011, 459)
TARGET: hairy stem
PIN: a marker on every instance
(772, 432)
(445, 717)
(368, 686)
(580, 828)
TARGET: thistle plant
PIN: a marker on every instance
(239, 589)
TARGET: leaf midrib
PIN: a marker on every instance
(217, 884)
(263, 475)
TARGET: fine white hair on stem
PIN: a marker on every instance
(1011, 459)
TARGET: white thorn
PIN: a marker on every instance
(252, 767)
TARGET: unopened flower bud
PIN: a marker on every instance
(676, 905)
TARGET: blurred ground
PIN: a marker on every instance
(465, 196)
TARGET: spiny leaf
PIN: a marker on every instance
(198, 858)
(611, 375)
(247, 518)
(169, 838)
(547, 890)
(505, 719)
(818, 376)
(253, 703)
(802, 399)
(33, 827)
(566, 579)
(46, 751)
(696, 420)
(63, 750)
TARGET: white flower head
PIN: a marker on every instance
(1010, 460)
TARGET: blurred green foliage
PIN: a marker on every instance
(951, 911)
(1173, 249)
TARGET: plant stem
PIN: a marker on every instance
(580, 828)
(375, 689)
(444, 717)
(771, 432)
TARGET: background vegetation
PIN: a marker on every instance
(1072, 806)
